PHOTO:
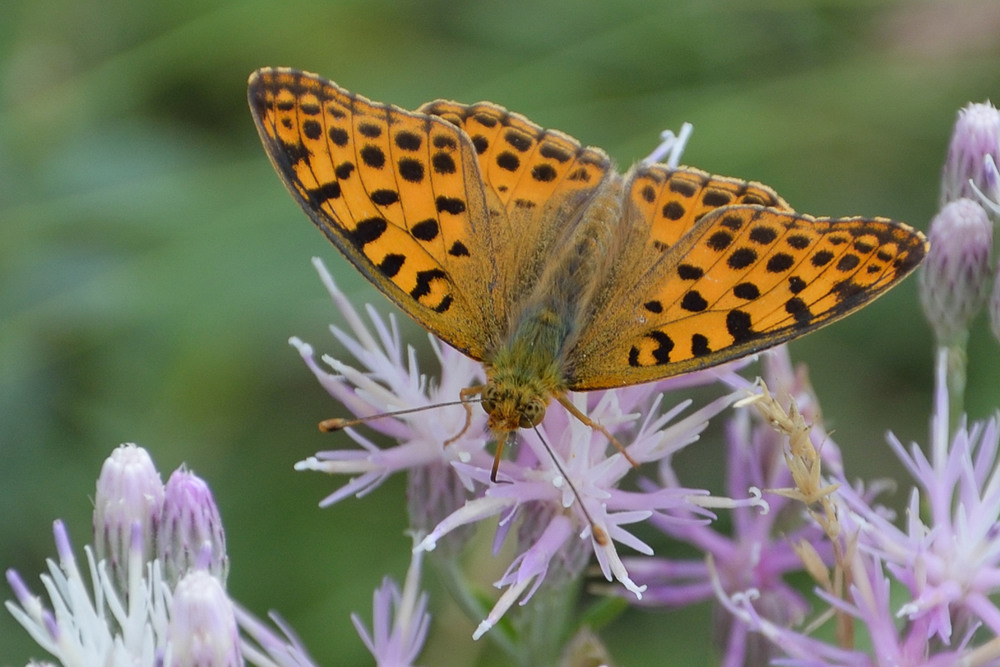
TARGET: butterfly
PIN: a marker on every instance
(529, 252)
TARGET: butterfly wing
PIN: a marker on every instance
(398, 193)
(538, 183)
(743, 278)
(669, 201)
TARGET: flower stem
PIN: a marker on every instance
(956, 371)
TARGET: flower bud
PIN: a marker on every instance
(203, 631)
(956, 275)
(129, 498)
(976, 136)
(191, 537)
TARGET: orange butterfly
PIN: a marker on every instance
(530, 252)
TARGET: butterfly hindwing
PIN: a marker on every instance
(537, 181)
(673, 199)
(397, 192)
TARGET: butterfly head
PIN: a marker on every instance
(512, 407)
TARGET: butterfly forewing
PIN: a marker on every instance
(397, 192)
(746, 278)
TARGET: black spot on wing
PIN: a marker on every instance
(411, 170)
(689, 272)
(747, 291)
(451, 205)
(373, 157)
(319, 196)
(425, 230)
(368, 230)
(408, 141)
(391, 264)
(694, 302)
(739, 326)
(699, 346)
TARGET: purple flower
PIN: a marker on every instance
(868, 603)
(97, 623)
(563, 477)
(955, 280)
(400, 620)
(950, 561)
(129, 613)
(392, 381)
(129, 496)
(191, 535)
(973, 155)
(762, 548)
(202, 628)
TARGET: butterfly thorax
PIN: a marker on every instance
(525, 373)
(529, 368)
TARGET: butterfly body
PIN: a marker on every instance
(530, 252)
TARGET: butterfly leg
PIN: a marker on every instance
(573, 410)
(464, 396)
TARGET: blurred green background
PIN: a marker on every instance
(152, 267)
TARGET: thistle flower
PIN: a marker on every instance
(870, 604)
(950, 562)
(129, 613)
(202, 628)
(973, 155)
(955, 280)
(763, 546)
(400, 620)
(191, 535)
(560, 477)
(129, 498)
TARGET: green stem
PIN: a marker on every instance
(957, 361)
(462, 593)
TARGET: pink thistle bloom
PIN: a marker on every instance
(759, 552)
(973, 154)
(202, 628)
(950, 560)
(869, 604)
(129, 493)
(121, 609)
(400, 620)
(190, 535)
(955, 280)
(563, 475)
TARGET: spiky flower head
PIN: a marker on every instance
(129, 494)
(191, 535)
(955, 280)
(156, 597)
(973, 154)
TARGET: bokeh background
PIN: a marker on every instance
(152, 267)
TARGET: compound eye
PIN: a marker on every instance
(532, 414)
(489, 400)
